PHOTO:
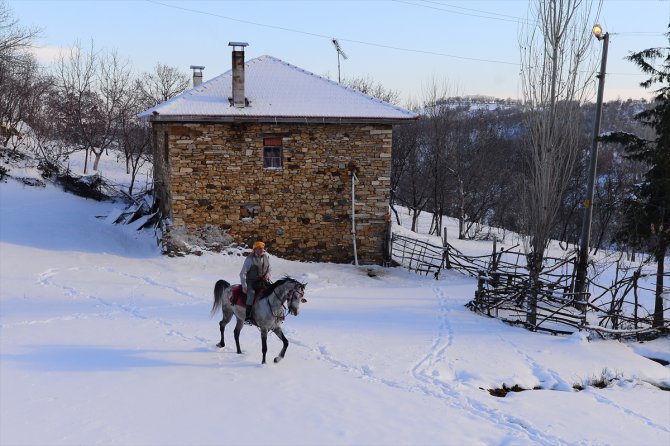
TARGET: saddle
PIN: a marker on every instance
(239, 297)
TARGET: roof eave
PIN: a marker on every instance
(275, 119)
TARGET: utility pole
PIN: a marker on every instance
(582, 265)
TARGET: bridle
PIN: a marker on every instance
(285, 308)
(293, 296)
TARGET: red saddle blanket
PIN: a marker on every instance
(239, 297)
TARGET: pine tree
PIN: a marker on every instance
(647, 210)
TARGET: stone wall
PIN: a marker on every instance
(303, 210)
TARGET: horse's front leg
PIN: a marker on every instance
(280, 335)
(236, 331)
(264, 343)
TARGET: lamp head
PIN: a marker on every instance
(598, 31)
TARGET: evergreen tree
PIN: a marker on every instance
(647, 210)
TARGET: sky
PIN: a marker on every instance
(406, 45)
(105, 341)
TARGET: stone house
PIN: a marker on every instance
(270, 151)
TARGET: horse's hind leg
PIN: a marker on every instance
(236, 331)
(222, 327)
(280, 335)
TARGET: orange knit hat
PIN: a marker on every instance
(259, 245)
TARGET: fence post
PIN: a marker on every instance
(583, 316)
(479, 295)
(613, 314)
(531, 303)
(445, 249)
(583, 296)
(636, 275)
(411, 258)
(388, 242)
(495, 276)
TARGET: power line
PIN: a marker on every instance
(330, 38)
(323, 36)
(640, 33)
(506, 17)
(490, 15)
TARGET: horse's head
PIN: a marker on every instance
(296, 297)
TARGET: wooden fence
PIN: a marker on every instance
(622, 308)
(505, 289)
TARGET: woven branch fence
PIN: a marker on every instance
(505, 290)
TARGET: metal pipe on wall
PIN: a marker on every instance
(353, 214)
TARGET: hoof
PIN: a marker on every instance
(278, 358)
(220, 345)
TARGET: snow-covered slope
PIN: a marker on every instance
(105, 341)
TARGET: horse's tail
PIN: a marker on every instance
(219, 287)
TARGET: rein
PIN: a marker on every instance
(282, 311)
(285, 305)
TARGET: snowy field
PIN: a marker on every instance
(104, 341)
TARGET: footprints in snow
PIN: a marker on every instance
(46, 278)
(426, 369)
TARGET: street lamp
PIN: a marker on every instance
(581, 285)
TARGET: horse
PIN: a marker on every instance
(268, 310)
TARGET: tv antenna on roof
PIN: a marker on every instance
(338, 48)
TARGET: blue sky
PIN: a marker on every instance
(404, 44)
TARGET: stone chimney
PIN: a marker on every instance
(238, 74)
(197, 74)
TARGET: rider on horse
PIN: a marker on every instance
(255, 274)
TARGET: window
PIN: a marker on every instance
(272, 153)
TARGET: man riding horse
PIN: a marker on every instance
(255, 275)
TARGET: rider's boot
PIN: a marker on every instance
(247, 320)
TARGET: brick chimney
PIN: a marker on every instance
(238, 73)
(197, 74)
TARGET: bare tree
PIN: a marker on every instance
(134, 135)
(365, 84)
(479, 164)
(22, 85)
(162, 84)
(437, 124)
(555, 48)
(413, 188)
(76, 104)
(91, 87)
(406, 143)
(14, 39)
(44, 137)
(19, 72)
(114, 81)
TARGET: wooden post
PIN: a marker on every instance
(480, 285)
(445, 249)
(388, 242)
(494, 261)
(495, 279)
(531, 304)
(636, 275)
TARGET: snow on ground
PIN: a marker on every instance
(105, 341)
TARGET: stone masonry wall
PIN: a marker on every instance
(303, 210)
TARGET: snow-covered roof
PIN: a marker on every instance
(277, 92)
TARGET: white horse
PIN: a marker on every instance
(268, 310)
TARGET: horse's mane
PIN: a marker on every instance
(280, 282)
